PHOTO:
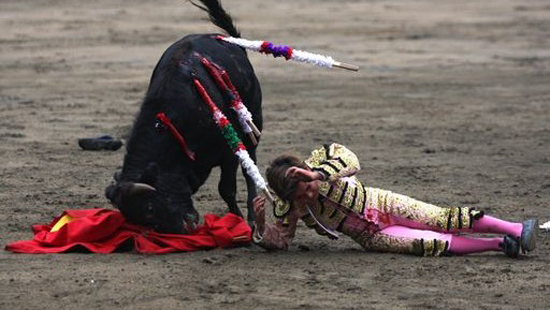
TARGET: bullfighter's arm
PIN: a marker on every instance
(333, 161)
(278, 235)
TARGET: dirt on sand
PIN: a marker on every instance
(451, 106)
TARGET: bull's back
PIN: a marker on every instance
(172, 91)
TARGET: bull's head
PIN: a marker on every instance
(148, 203)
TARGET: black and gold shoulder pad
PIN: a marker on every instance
(280, 208)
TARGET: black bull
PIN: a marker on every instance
(158, 178)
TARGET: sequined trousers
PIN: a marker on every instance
(396, 223)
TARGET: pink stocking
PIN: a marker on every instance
(466, 245)
(492, 225)
(457, 244)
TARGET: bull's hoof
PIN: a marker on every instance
(100, 143)
(190, 222)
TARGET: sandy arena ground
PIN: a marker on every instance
(451, 106)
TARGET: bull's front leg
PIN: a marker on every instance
(251, 190)
(227, 187)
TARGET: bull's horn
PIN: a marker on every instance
(140, 188)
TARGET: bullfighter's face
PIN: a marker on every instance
(306, 192)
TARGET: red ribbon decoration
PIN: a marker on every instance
(221, 78)
(168, 124)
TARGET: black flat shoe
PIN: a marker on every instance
(529, 235)
(100, 143)
(510, 246)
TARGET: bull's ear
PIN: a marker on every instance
(112, 192)
(150, 175)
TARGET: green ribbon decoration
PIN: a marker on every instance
(231, 136)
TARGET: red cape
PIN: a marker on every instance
(105, 231)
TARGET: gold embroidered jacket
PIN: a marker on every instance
(340, 188)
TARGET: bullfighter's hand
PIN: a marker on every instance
(303, 175)
(259, 209)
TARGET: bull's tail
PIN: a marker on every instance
(218, 16)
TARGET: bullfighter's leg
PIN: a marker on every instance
(227, 187)
(401, 239)
(406, 211)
